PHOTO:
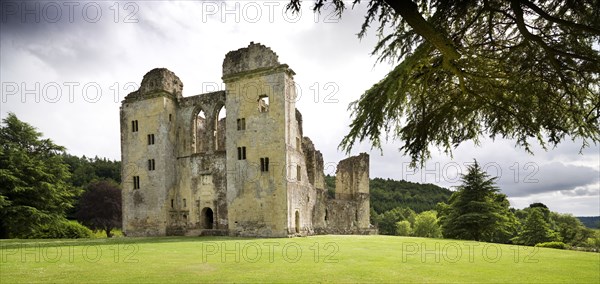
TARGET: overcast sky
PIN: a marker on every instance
(65, 67)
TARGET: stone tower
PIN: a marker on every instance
(264, 155)
(148, 144)
(187, 170)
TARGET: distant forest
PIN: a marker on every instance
(387, 194)
(591, 222)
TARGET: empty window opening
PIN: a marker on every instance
(241, 153)
(184, 203)
(207, 218)
(172, 203)
(219, 131)
(136, 182)
(264, 164)
(150, 139)
(134, 126)
(200, 132)
(241, 124)
(298, 144)
(326, 215)
(263, 103)
(151, 164)
(297, 222)
(298, 173)
(170, 116)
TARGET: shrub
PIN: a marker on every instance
(556, 245)
(62, 230)
(403, 228)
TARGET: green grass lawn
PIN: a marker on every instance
(311, 259)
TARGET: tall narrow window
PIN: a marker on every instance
(136, 182)
(184, 203)
(298, 173)
(170, 116)
(150, 139)
(264, 164)
(298, 144)
(134, 126)
(241, 151)
(172, 203)
(241, 124)
(151, 165)
(263, 103)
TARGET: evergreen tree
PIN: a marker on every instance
(474, 211)
(34, 188)
(535, 230)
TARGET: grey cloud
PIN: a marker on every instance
(542, 178)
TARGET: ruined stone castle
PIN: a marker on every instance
(190, 170)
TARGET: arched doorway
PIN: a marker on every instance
(207, 218)
(297, 222)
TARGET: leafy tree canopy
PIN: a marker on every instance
(516, 69)
(34, 188)
(100, 206)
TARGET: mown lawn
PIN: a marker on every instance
(311, 259)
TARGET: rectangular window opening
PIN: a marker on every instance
(134, 126)
(151, 165)
(241, 124)
(263, 103)
(298, 173)
(136, 182)
(264, 164)
(150, 139)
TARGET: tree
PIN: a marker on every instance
(100, 206)
(516, 69)
(570, 229)
(387, 221)
(34, 188)
(426, 225)
(403, 228)
(474, 211)
(535, 230)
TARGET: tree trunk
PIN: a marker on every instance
(108, 234)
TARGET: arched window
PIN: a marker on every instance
(219, 133)
(199, 132)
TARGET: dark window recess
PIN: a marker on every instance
(136, 182)
(172, 203)
(298, 173)
(241, 151)
(170, 117)
(134, 126)
(150, 139)
(241, 124)
(184, 203)
(151, 165)
(264, 164)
